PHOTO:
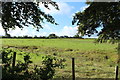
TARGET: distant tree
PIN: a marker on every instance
(21, 14)
(105, 15)
(52, 36)
(19, 37)
(77, 36)
(61, 37)
(42, 37)
(30, 37)
(35, 36)
(65, 36)
(3, 36)
(14, 37)
(25, 36)
(45, 37)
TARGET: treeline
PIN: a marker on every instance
(51, 36)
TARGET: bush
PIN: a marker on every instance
(17, 71)
(21, 70)
(47, 71)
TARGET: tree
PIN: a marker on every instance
(77, 36)
(20, 14)
(65, 36)
(105, 15)
(35, 36)
(52, 36)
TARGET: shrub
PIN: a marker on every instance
(47, 71)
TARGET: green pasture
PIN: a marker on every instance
(92, 60)
(81, 44)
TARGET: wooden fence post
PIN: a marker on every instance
(14, 58)
(116, 73)
(73, 69)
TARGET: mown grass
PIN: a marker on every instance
(91, 60)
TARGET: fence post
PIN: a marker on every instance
(116, 73)
(14, 58)
(73, 69)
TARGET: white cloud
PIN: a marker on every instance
(29, 31)
(1, 30)
(92, 36)
(64, 8)
(67, 30)
(18, 32)
(84, 7)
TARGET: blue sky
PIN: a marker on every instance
(63, 17)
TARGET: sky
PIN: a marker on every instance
(63, 17)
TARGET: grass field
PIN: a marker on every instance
(91, 60)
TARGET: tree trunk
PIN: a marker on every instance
(5, 32)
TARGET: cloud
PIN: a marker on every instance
(92, 36)
(84, 7)
(1, 30)
(18, 32)
(67, 30)
(64, 9)
(29, 31)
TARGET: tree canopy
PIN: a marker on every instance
(103, 14)
(52, 35)
(21, 14)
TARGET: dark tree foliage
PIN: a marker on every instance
(20, 14)
(103, 14)
(52, 36)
